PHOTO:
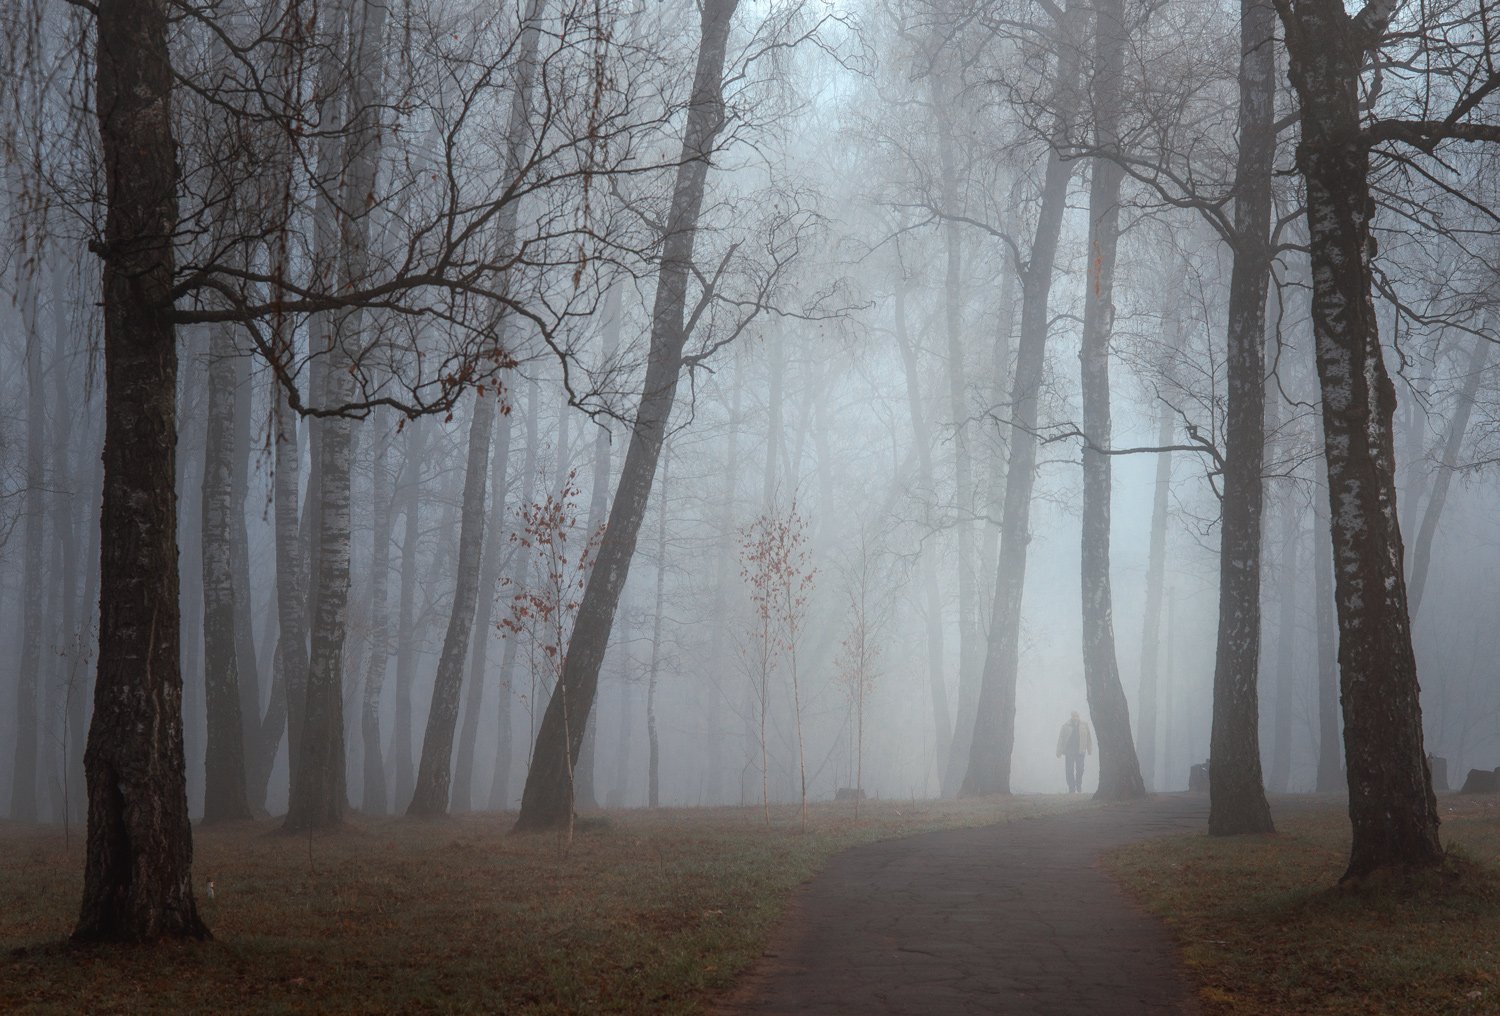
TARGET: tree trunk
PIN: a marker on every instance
(1391, 803)
(224, 797)
(319, 796)
(376, 797)
(253, 723)
(1330, 747)
(1156, 567)
(598, 513)
(995, 719)
(1421, 555)
(24, 805)
(653, 765)
(547, 801)
(406, 622)
(937, 682)
(484, 612)
(1119, 769)
(430, 797)
(1237, 798)
(291, 590)
(1286, 649)
(138, 882)
(500, 784)
(969, 654)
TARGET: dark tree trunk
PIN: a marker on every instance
(138, 882)
(1391, 803)
(547, 802)
(994, 738)
(224, 797)
(1237, 797)
(1119, 769)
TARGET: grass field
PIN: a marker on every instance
(644, 913)
(1265, 930)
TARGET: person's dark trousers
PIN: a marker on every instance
(1075, 773)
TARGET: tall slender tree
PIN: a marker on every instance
(995, 721)
(547, 801)
(1119, 769)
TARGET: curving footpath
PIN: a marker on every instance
(1014, 919)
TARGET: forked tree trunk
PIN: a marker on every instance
(1119, 769)
(137, 883)
(547, 802)
(224, 797)
(1237, 797)
(994, 739)
(1391, 804)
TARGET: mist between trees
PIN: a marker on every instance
(556, 406)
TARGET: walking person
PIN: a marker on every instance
(1074, 742)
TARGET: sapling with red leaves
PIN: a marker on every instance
(774, 561)
(561, 551)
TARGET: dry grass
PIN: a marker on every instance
(645, 913)
(1266, 932)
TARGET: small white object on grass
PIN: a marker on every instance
(210, 888)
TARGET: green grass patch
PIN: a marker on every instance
(644, 913)
(1265, 929)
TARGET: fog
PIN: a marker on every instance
(871, 226)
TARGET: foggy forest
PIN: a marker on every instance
(567, 409)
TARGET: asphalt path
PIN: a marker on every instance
(1015, 919)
